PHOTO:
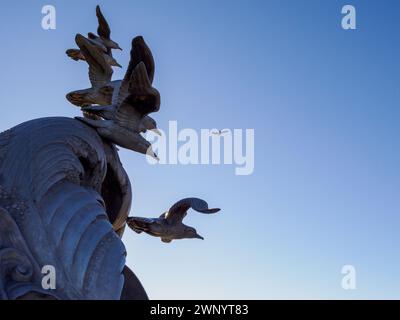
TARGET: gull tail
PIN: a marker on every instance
(137, 225)
(74, 54)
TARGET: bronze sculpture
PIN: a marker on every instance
(64, 194)
(169, 225)
(102, 41)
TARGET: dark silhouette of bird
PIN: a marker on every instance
(100, 73)
(169, 225)
(133, 99)
(102, 41)
(140, 53)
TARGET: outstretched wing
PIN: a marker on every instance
(103, 29)
(124, 86)
(179, 210)
(140, 52)
(100, 72)
(139, 93)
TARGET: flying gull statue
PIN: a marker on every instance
(169, 225)
(123, 108)
(100, 73)
(102, 41)
(127, 116)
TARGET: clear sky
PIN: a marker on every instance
(324, 103)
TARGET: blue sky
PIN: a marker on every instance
(324, 103)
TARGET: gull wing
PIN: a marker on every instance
(179, 210)
(103, 29)
(142, 53)
(138, 93)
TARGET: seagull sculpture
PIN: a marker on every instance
(169, 225)
(100, 73)
(133, 99)
(123, 109)
(102, 41)
(104, 32)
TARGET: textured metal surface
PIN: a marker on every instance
(53, 172)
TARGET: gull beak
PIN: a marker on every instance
(152, 154)
(158, 132)
(199, 237)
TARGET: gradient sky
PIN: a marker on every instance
(324, 103)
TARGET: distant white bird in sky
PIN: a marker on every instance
(219, 132)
